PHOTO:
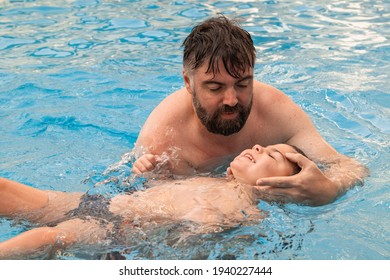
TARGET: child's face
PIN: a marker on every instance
(258, 162)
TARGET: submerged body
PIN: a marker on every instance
(213, 204)
(207, 201)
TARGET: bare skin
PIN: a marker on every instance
(174, 131)
(209, 202)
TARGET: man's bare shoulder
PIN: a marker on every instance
(166, 120)
(266, 93)
(277, 114)
(270, 102)
(175, 106)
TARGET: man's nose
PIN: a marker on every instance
(258, 148)
(230, 97)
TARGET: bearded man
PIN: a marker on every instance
(223, 110)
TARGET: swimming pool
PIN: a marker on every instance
(79, 78)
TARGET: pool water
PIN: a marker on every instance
(79, 78)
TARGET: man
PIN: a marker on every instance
(222, 110)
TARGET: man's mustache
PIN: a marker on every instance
(229, 109)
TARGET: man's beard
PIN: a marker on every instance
(216, 124)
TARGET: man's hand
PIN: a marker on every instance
(310, 186)
(145, 163)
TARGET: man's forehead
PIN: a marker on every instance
(220, 71)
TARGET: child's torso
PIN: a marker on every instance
(200, 200)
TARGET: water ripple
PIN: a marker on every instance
(35, 128)
(7, 42)
(49, 52)
(119, 23)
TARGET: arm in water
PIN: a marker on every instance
(312, 185)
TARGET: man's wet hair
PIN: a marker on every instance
(219, 39)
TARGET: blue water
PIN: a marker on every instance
(79, 78)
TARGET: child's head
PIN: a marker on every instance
(259, 162)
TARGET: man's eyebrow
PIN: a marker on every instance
(208, 82)
(212, 81)
(248, 77)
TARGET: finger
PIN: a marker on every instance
(262, 189)
(142, 165)
(145, 167)
(149, 158)
(272, 194)
(140, 168)
(147, 163)
(299, 159)
(276, 182)
(135, 170)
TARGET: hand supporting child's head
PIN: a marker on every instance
(259, 162)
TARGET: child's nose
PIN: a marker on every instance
(258, 148)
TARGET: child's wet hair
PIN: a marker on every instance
(297, 168)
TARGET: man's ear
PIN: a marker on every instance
(187, 81)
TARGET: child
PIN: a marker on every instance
(67, 219)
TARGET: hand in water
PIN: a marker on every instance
(145, 163)
(310, 186)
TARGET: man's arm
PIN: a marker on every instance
(158, 136)
(311, 185)
(151, 146)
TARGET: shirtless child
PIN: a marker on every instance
(208, 202)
